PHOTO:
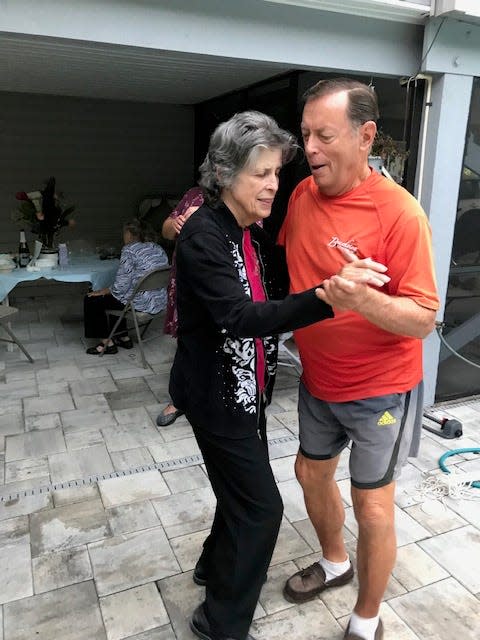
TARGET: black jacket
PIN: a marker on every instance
(213, 378)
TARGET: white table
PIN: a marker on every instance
(101, 273)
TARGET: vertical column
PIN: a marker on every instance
(437, 186)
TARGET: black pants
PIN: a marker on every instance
(96, 322)
(239, 548)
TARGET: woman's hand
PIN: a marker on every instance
(100, 292)
(349, 288)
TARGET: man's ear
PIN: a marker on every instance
(368, 131)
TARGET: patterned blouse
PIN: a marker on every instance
(192, 198)
(136, 260)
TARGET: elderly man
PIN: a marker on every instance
(362, 369)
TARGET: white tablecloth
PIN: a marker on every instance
(100, 273)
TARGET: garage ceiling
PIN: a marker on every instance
(87, 69)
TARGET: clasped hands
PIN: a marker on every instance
(350, 288)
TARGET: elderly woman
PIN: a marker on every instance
(230, 309)
(139, 256)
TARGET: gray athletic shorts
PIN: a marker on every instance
(384, 431)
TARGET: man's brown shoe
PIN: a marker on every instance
(353, 636)
(307, 583)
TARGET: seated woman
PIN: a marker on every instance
(139, 256)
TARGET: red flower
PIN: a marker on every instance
(21, 195)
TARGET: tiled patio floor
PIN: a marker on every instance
(112, 559)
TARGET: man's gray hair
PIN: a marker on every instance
(233, 146)
(362, 99)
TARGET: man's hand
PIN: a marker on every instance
(348, 289)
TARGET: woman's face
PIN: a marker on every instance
(250, 198)
(127, 237)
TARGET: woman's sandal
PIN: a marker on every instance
(97, 350)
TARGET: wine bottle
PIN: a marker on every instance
(23, 250)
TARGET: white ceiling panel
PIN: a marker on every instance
(88, 69)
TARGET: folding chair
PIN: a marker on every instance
(155, 279)
(7, 312)
(286, 357)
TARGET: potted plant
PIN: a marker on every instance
(388, 154)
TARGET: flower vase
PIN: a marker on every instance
(48, 257)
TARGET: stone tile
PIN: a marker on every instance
(83, 438)
(443, 610)
(60, 569)
(71, 613)
(93, 386)
(468, 509)
(53, 388)
(132, 392)
(434, 516)
(187, 549)
(136, 415)
(129, 436)
(281, 449)
(283, 468)
(186, 479)
(68, 526)
(34, 444)
(50, 404)
(458, 552)
(289, 419)
(87, 418)
(132, 517)
(132, 488)
(429, 454)
(180, 609)
(174, 450)
(130, 370)
(131, 559)
(164, 633)
(406, 486)
(95, 372)
(11, 423)
(271, 596)
(27, 468)
(72, 495)
(179, 430)
(133, 611)
(14, 530)
(311, 621)
(96, 402)
(79, 464)
(290, 544)
(23, 505)
(15, 569)
(415, 568)
(46, 421)
(186, 512)
(131, 458)
(408, 530)
(293, 501)
(59, 373)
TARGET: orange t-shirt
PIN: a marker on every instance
(347, 357)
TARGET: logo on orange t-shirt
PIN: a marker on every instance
(350, 245)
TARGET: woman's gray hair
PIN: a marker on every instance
(233, 146)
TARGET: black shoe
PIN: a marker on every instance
(200, 574)
(201, 627)
(164, 419)
(94, 351)
(125, 344)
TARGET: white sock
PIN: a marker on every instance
(334, 569)
(364, 627)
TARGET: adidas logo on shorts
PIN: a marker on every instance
(386, 419)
